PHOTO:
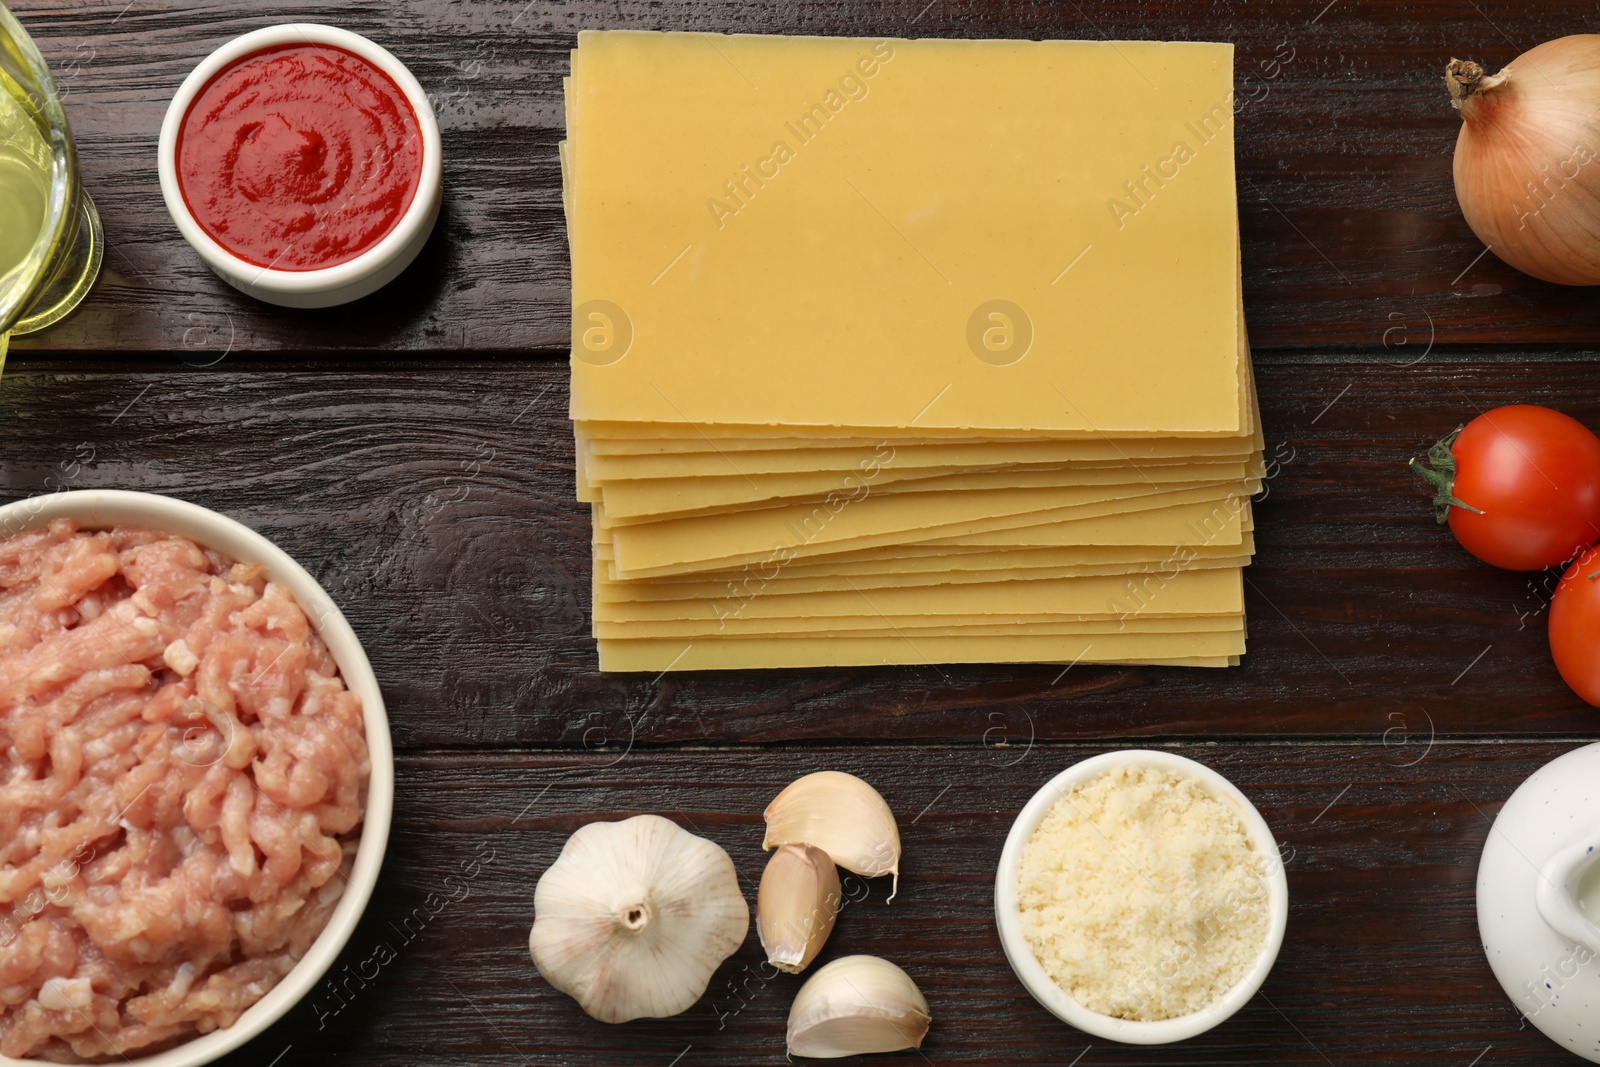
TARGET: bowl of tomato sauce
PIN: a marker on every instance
(302, 162)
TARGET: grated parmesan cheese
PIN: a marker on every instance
(1142, 894)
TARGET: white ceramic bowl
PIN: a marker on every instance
(339, 284)
(1051, 995)
(100, 509)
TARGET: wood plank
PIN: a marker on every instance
(1351, 234)
(436, 506)
(1381, 961)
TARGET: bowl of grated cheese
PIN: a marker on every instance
(1141, 897)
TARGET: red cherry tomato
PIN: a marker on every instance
(1520, 486)
(1575, 626)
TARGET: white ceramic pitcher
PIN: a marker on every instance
(1539, 900)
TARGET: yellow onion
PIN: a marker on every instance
(1527, 163)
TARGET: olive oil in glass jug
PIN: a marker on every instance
(50, 238)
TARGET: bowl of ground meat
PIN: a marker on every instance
(196, 781)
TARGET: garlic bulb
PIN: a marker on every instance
(634, 917)
(857, 1004)
(1527, 160)
(796, 905)
(843, 816)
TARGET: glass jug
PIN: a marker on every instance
(50, 238)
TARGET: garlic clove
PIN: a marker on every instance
(634, 917)
(796, 905)
(843, 816)
(855, 1005)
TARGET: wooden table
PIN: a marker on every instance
(412, 451)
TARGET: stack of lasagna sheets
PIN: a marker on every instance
(908, 351)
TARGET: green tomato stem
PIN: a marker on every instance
(1442, 477)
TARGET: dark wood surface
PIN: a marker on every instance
(1344, 138)
(412, 451)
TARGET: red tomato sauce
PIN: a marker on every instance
(299, 157)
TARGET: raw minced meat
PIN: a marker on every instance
(182, 780)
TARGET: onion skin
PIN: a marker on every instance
(1527, 160)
